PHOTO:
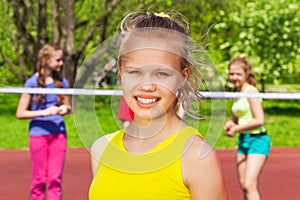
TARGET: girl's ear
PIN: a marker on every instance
(185, 73)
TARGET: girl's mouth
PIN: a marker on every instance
(147, 100)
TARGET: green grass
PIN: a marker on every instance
(282, 122)
(95, 116)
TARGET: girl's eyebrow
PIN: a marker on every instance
(165, 67)
(130, 66)
(156, 67)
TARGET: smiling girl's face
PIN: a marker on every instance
(55, 61)
(237, 75)
(150, 79)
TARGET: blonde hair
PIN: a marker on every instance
(242, 61)
(170, 24)
(44, 55)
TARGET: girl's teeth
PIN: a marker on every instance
(146, 101)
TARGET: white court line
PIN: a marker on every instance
(97, 92)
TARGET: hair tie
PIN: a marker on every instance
(243, 56)
(162, 14)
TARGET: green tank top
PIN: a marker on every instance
(241, 108)
(153, 175)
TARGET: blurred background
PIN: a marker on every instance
(268, 31)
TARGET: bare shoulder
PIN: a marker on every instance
(100, 144)
(198, 150)
(252, 89)
(201, 170)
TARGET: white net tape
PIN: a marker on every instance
(96, 92)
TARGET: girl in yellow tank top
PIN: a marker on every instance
(158, 156)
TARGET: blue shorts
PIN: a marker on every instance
(249, 144)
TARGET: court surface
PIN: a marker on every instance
(280, 179)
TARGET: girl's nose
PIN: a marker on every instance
(233, 77)
(148, 87)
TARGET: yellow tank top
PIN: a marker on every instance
(153, 175)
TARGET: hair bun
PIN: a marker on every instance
(243, 56)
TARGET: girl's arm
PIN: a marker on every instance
(23, 112)
(94, 164)
(95, 155)
(66, 107)
(202, 173)
(96, 151)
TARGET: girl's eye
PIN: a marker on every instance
(162, 74)
(133, 72)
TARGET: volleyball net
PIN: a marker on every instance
(99, 92)
(89, 128)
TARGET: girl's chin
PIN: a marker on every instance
(237, 85)
(155, 113)
(57, 69)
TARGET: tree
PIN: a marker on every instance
(78, 26)
(55, 21)
(268, 31)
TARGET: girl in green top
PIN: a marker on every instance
(248, 120)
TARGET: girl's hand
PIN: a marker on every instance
(63, 110)
(231, 131)
(229, 128)
(52, 110)
(228, 125)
